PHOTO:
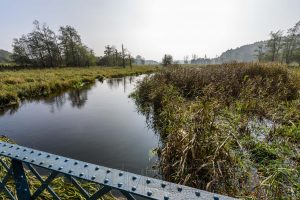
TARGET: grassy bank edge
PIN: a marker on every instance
(29, 83)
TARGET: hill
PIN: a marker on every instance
(5, 56)
(245, 53)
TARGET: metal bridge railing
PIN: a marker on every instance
(24, 160)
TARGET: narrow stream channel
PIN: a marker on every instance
(98, 124)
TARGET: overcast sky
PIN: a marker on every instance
(152, 28)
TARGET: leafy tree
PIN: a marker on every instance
(42, 47)
(167, 60)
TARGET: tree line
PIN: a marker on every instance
(114, 57)
(44, 48)
(280, 47)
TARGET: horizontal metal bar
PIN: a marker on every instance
(124, 181)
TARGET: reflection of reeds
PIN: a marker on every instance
(202, 115)
(28, 83)
(63, 188)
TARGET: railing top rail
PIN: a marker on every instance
(120, 180)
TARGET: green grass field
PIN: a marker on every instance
(20, 84)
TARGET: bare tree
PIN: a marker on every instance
(186, 59)
(290, 42)
(274, 45)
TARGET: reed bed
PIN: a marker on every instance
(233, 129)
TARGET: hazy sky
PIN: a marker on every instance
(154, 27)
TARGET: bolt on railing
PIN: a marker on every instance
(24, 160)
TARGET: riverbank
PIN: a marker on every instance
(232, 129)
(28, 83)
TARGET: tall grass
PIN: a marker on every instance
(26, 83)
(232, 129)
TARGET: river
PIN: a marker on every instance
(97, 124)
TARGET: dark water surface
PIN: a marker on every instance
(99, 124)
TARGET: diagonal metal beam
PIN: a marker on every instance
(38, 176)
(4, 164)
(100, 193)
(128, 195)
(4, 181)
(44, 185)
(21, 183)
(78, 186)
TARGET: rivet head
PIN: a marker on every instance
(86, 165)
(93, 177)
(149, 193)
(163, 185)
(216, 198)
(24, 149)
(108, 171)
(75, 163)
(120, 184)
(66, 160)
(81, 174)
(134, 178)
(166, 197)
(148, 181)
(17, 156)
(9, 154)
(106, 180)
(50, 166)
(32, 152)
(18, 148)
(60, 168)
(48, 156)
(32, 160)
(96, 168)
(39, 154)
(179, 189)
(197, 193)
(121, 174)
(41, 163)
(133, 188)
(70, 171)
(56, 158)
(25, 158)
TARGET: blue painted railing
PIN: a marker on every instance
(23, 160)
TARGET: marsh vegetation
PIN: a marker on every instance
(232, 129)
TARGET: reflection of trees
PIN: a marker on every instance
(114, 82)
(78, 98)
(10, 110)
(56, 102)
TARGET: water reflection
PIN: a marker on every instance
(97, 124)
